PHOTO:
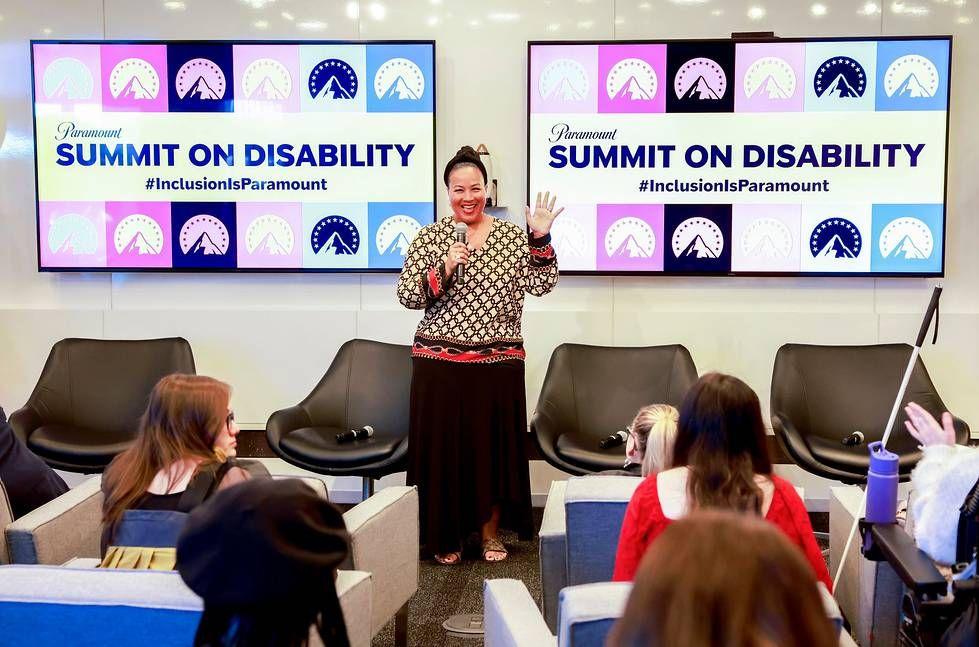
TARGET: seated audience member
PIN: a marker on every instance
(28, 480)
(183, 454)
(651, 438)
(263, 555)
(940, 482)
(720, 460)
(721, 578)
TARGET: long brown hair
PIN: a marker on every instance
(184, 416)
(722, 578)
(721, 439)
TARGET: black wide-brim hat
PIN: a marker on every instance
(262, 541)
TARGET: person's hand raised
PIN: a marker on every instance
(926, 430)
(543, 216)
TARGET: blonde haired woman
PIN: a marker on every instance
(651, 438)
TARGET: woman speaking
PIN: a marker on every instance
(468, 405)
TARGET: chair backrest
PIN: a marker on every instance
(594, 508)
(368, 383)
(587, 612)
(594, 391)
(53, 605)
(104, 384)
(828, 392)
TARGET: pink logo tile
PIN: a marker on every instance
(564, 79)
(67, 75)
(270, 234)
(72, 234)
(630, 237)
(134, 78)
(138, 234)
(770, 77)
(632, 78)
(266, 78)
(765, 237)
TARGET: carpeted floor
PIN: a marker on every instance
(447, 590)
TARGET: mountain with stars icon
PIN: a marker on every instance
(333, 89)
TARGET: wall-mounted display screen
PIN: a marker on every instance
(761, 157)
(227, 156)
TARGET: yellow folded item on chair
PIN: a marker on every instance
(139, 557)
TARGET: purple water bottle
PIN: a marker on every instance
(881, 485)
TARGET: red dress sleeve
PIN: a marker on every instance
(789, 513)
(641, 514)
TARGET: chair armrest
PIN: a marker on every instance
(354, 589)
(69, 526)
(23, 421)
(283, 421)
(384, 542)
(510, 617)
(553, 537)
(911, 564)
(587, 611)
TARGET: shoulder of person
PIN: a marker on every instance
(512, 229)
(439, 227)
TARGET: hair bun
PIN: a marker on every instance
(467, 151)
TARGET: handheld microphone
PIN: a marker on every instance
(461, 231)
(616, 439)
(355, 434)
(854, 439)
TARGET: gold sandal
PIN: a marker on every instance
(494, 545)
(449, 559)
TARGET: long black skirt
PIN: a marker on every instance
(466, 446)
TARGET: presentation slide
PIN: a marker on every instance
(726, 157)
(221, 156)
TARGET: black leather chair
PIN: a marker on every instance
(590, 392)
(368, 383)
(822, 394)
(87, 403)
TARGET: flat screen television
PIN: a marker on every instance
(216, 156)
(787, 157)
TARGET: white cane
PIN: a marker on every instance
(922, 333)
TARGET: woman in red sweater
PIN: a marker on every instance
(720, 461)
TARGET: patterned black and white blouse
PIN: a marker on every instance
(479, 319)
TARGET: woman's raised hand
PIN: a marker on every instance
(543, 216)
(925, 429)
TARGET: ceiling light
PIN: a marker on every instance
(174, 5)
(288, 16)
(502, 16)
(432, 21)
(261, 24)
(818, 9)
(353, 10)
(312, 25)
(46, 31)
(964, 20)
(474, 23)
(870, 9)
(554, 26)
(717, 12)
(586, 24)
(377, 10)
(257, 4)
(756, 13)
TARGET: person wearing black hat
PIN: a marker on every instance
(263, 555)
(468, 404)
